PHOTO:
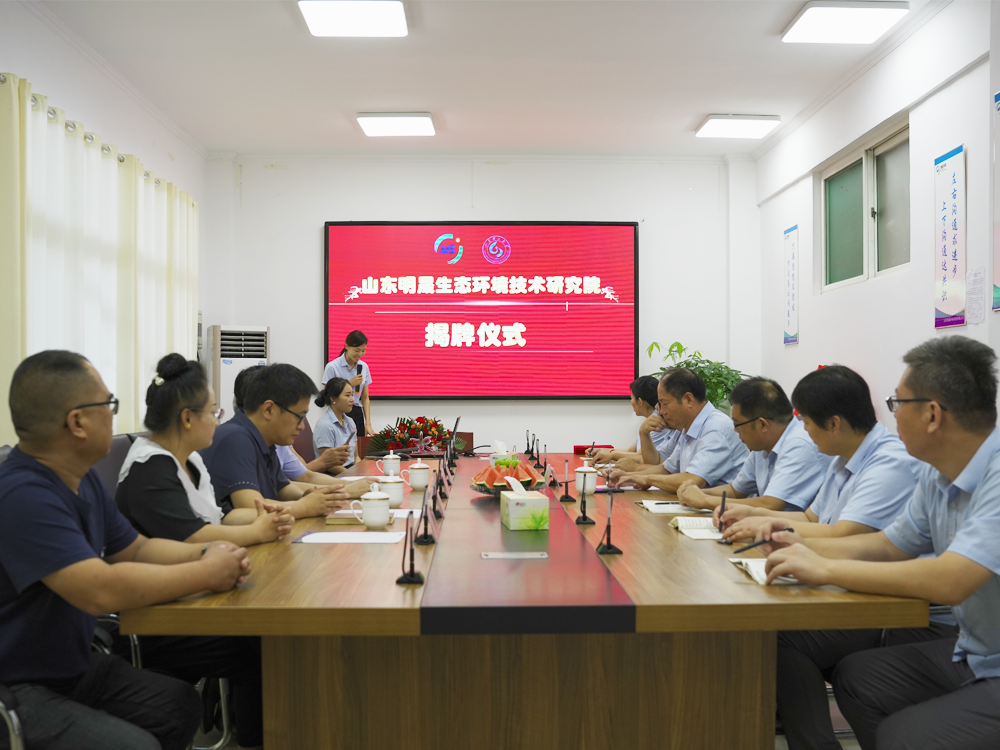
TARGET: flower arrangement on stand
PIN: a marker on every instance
(419, 434)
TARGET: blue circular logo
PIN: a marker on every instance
(496, 249)
(448, 244)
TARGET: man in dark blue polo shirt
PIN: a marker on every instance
(67, 555)
(242, 460)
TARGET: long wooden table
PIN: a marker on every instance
(667, 646)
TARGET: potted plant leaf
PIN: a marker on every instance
(719, 377)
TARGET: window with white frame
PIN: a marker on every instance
(866, 212)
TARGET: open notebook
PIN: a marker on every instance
(671, 506)
(754, 567)
(696, 527)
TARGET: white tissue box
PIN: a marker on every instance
(528, 512)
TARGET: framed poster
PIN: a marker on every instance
(949, 239)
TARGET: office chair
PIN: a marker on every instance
(8, 709)
(104, 635)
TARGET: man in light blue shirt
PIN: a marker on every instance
(864, 489)
(708, 451)
(943, 693)
(784, 469)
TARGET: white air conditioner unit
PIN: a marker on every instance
(229, 350)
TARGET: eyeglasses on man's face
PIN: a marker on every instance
(301, 417)
(893, 403)
(111, 403)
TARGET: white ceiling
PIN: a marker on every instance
(501, 77)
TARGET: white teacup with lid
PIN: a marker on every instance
(389, 465)
(393, 487)
(419, 474)
(374, 509)
(586, 480)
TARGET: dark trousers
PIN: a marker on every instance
(113, 707)
(358, 415)
(235, 658)
(807, 660)
(915, 697)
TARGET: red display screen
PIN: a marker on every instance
(473, 310)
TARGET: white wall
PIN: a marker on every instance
(263, 226)
(37, 46)
(869, 325)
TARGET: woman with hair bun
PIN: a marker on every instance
(165, 491)
(335, 431)
(350, 367)
(164, 488)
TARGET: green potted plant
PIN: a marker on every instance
(719, 377)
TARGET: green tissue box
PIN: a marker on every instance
(528, 512)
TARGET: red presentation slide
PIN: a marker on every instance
(536, 310)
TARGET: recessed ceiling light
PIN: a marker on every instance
(831, 22)
(737, 126)
(377, 124)
(354, 17)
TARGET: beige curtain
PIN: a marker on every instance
(97, 254)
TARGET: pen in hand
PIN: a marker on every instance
(757, 544)
(722, 510)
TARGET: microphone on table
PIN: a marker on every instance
(413, 576)
(427, 537)
(583, 519)
(527, 444)
(442, 490)
(566, 497)
(606, 547)
(538, 463)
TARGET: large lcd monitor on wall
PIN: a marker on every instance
(481, 310)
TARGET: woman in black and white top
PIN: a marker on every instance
(164, 488)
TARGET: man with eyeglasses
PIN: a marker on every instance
(783, 471)
(707, 453)
(242, 460)
(68, 555)
(942, 693)
(866, 486)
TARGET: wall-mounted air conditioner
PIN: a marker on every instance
(230, 349)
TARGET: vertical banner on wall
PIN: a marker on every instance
(791, 285)
(949, 239)
(996, 206)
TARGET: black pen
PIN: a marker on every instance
(757, 544)
(722, 509)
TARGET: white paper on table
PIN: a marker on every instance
(975, 301)
(702, 533)
(353, 537)
(754, 567)
(669, 506)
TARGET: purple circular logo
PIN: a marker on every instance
(496, 249)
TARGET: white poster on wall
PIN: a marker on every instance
(791, 325)
(949, 239)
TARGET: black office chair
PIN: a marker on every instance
(8, 709)
(108, 627)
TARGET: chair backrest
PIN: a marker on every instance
(304, 442)
(133, 435)
(4, 451)
(361, 449)
(109, 466)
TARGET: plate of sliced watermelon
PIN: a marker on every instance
(493, 479)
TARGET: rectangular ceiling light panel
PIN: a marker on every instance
(376, 124)
(832, 22)
(737, 126)
(354, 17)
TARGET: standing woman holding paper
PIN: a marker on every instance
(350, 367)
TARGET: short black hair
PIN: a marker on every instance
(179, 384)
(281, 383)
(329, 393)
(680, 380)
(960, 374)
(644, 388)
(243, 378)
(44, 387)
(835, 391)
(761, 397)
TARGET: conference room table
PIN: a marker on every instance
(666, 646)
